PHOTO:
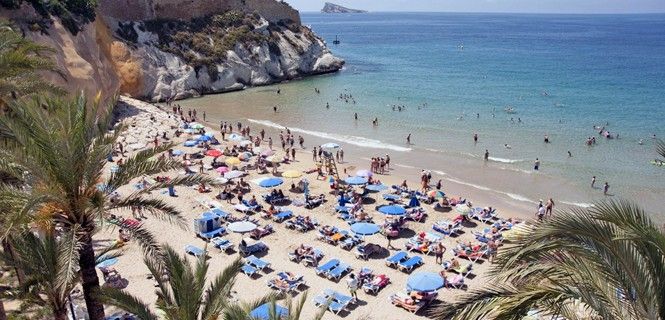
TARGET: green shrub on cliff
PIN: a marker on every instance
(74, 14)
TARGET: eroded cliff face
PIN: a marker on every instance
(154, 66)
(150, 60)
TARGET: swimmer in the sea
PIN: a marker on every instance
(507, 146)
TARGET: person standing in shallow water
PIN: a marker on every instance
(536, 164)
(593, 182)
(606, 188)
(487, 155)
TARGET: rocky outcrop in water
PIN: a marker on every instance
(335, 8)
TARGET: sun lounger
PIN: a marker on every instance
(250, 271)
(323, 269)
(281, 286)
(259, 233)
(282, 216)
(351, 241)
(403, 300)
(221, 244)
(288, 278)
(252, 248)
(377, 283)
(410, 264)
(456, 281)
(464, 270)
(367, 250)
(220, 213)
(338, 297)
(241, 207)
(338, 271)
(257, 263)
(195, 251)
(333, 306)
(396, 258)
(473, 256)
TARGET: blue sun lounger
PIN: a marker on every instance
(338, 297)
(396, 258)
(221, 243)
(220, 213)
(322, 270)
(249, 270)
(338, 271)
(282, 216)
(410, 264)
(333, 306)
(257, 263)
(195, 251)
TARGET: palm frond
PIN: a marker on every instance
(127, 302)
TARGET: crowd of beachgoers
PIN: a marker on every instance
(355, 238)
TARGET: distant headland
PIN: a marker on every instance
(335, 8)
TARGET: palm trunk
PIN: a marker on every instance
(7, 247)
(60, 315)
(3, 313)
(90, 280)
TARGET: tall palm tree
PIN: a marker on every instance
(51, 265)
(20, 62)
(604, 262)
(183, 291)
(63, 145)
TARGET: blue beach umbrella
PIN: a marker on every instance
(177, 152)
(189, 130)
(270, 182)
(424, 282)
(355, 180)
(263, 312)
(376, 187)
(392, 210)
(235, 137)
(204, 138)
(414, 202)
(190, 143)
(107, 263)
(241, 226)
(365, 229)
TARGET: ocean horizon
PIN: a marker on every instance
(455, 74)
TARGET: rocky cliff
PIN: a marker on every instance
(335, 8)
(163, 49)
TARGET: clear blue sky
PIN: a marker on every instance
(531, 6)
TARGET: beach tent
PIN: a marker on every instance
(414, 202)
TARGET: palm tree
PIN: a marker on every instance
(183, 291)
(51, 266)
(604, 262)
(63, 145)
(20, 62)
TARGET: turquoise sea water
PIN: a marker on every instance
(562, 74)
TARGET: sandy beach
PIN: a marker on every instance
(141, 130)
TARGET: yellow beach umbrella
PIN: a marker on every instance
(232, 161)
(291, 174)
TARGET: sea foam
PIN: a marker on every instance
(354, 140)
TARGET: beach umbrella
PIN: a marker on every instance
(355, 180)
(234, 174)
(232, 161)
(436, 194)
(264, 312)
(106, 262)
(330, 145)
(376, 187)
(267, 153)
(414, 202)
(221, 180)
(235, 137)
(245, 156)
(463, 209)
(241, 226)
(222, 170)
(392, 210)
(291, 174)
(195, 125)
(189, 130)
(424, 282)
(177, 152)
(364, 173)
(190, 143)
(214, 153)
(209, 134)
(365, 229)
(270, 182)
(204, 138)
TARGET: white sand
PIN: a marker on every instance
(131, 267)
